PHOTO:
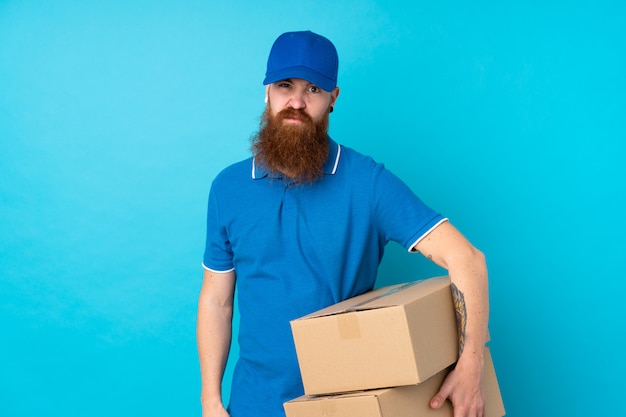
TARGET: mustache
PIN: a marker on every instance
(291, 113)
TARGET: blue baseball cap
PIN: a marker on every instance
(305, 55)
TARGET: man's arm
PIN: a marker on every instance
(467, 269)
(214, 330)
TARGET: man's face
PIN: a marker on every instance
(294, 127)
(300, 94)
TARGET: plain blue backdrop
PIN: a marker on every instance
(508, 117)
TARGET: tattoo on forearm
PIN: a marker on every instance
(461, 315)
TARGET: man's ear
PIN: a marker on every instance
(333, 96)
(267, 93)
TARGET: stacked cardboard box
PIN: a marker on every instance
(383, 353)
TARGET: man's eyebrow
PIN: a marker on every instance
(291, 81)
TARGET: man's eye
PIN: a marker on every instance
(314, 89)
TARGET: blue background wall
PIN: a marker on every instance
(509, 117)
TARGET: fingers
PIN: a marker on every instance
(463, 405)
(437, 401)
(441, 396)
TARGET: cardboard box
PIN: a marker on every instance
(397, 335)
(406, 401)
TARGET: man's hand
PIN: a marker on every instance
(464, 388)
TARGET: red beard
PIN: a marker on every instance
(296, 150)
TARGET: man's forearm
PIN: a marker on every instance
(469, 285)
(213, 337)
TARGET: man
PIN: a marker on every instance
(302, 225)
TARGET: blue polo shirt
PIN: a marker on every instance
(296, 249)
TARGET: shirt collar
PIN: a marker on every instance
(330, 166)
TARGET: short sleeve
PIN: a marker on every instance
(401, 215)
(218, 254)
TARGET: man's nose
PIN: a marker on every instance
(297, 100)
